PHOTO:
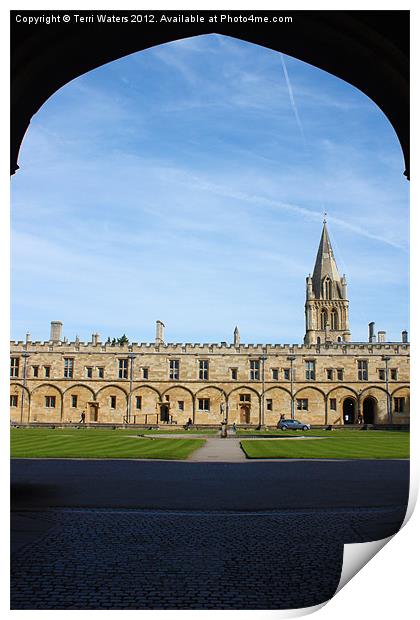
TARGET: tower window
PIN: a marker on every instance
(123, 368)
(68, 367)
(310, 370)
(14, 366)
(203, 369)
(324, 319)
(254, 374)
(327, 289)
(334, 320)
(362, 367)
(174, 369)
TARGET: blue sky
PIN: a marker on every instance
(187, 183)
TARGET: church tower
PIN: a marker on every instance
(327, 306)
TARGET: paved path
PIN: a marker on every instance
(226, 450)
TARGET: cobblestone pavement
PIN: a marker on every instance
(139, 559)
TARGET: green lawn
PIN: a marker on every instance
(336, 445)
(97, 443)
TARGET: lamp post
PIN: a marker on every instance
(291, 359)
(131, 357)
(25, 356)
(386, 359)
(263, 358)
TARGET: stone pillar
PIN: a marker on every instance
(236, 337)
(381, 336)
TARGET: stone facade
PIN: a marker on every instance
(327, 380)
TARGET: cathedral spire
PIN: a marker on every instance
(327, 306)
(326, 281)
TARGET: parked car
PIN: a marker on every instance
(295, 425)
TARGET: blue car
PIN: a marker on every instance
(294, 425)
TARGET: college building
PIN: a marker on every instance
(327, 380)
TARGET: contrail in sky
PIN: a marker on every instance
(292, 100)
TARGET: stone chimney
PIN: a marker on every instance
(160, 333)
(95, 338)
(236, 337)
(28, 338)
(55, 334)
(372, 337)
(381, 336)
(404, 336)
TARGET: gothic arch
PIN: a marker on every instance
(20, 385)
(342, 387)
(323, 318)
(334, 320)
(50, 385)
(178, 387)
(76, 385)
(310, 387)
(215, 387)
(277, 387)
(110, 385)
(143, 387)
(401, 387)
(244, 387)
(382, 39)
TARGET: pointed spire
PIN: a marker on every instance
(236, 337)
(325, 269)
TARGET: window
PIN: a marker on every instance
(269, 402)
(145, 373)
(362, 367)
(334, 319)
(13, 400)
(113, 402)
(203, 369)
(181, 405)
(324, 319)
(89, 372)
(47, 371)
(204, 404)
(174, 369)
(327, 289)
(310, 370)
(302, 404)
(399, 405)
(275, 374)
(14, 366)
(333, 404)
(167, 398)
(68, 367)
(286, 374)
(245, 398)
(329, 374)
(50, 402)
(123, 368)
(138, 402)
(74, 400)
(101, 372)
(35, 371)
(394, 374)
(254, 370)
(340, 374)
(234, 373)
(381, 374)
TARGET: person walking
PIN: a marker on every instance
(82, 418)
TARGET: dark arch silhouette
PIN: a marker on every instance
(368, 49)
(369, 408)
(349, 410)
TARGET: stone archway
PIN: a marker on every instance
(349, 410)
(369, 410)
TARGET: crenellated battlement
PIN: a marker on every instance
(355, 348)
